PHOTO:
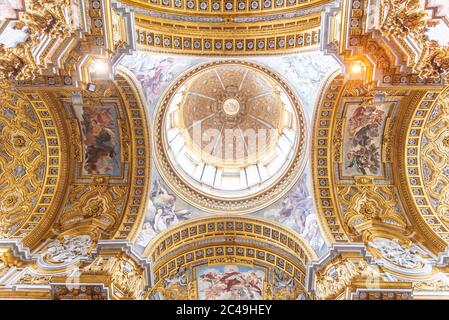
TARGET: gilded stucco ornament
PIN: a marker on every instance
(434, 61)
(332, 281)
(32, 278)
(129, 279)
(402, 18)
(98, 204)
(83, 292)
(439, 285)
(224, 256)
(22, 161)
(175, 286)
(3, 266)
(284, 287)
(366, 203)
(62, 38)
(40, 18)
(103, 206)
(110, 149)
(122, 272)
(434, 160)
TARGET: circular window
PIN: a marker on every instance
(231, 107)
(230, 136)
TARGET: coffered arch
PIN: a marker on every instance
(186, 257)
(422, 160)
(354, 163)
(321, 158)
(35, 163)
(107, 160)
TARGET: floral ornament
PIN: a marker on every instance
(95, 207)
(19, 142)
(10, 201)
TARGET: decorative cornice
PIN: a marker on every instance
(225, 9)
(250, 227)
(257, 38)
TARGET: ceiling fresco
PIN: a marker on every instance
(235, 149)
(305, 73)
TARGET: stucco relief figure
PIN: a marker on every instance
(282, 284)
(100, 141)
(230, 282)
(364, 132)
(69, 250)
(177, 279)
(161, 214)
(394, 252)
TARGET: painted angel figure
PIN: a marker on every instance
(365, 115)
(162, 205)
(153, 78)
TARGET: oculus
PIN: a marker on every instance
(231, 107)
(230, 135)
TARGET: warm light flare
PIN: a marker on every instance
(356, 68)
(100, 66)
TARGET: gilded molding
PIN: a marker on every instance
(322, 159)
(140, 136)
(53, 174)
(228, 8)
(229, 39)
(425, 218)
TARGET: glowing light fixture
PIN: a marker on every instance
(356, 68)
(100, 66)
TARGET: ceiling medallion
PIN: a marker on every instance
(231, 107)
(230, 136)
